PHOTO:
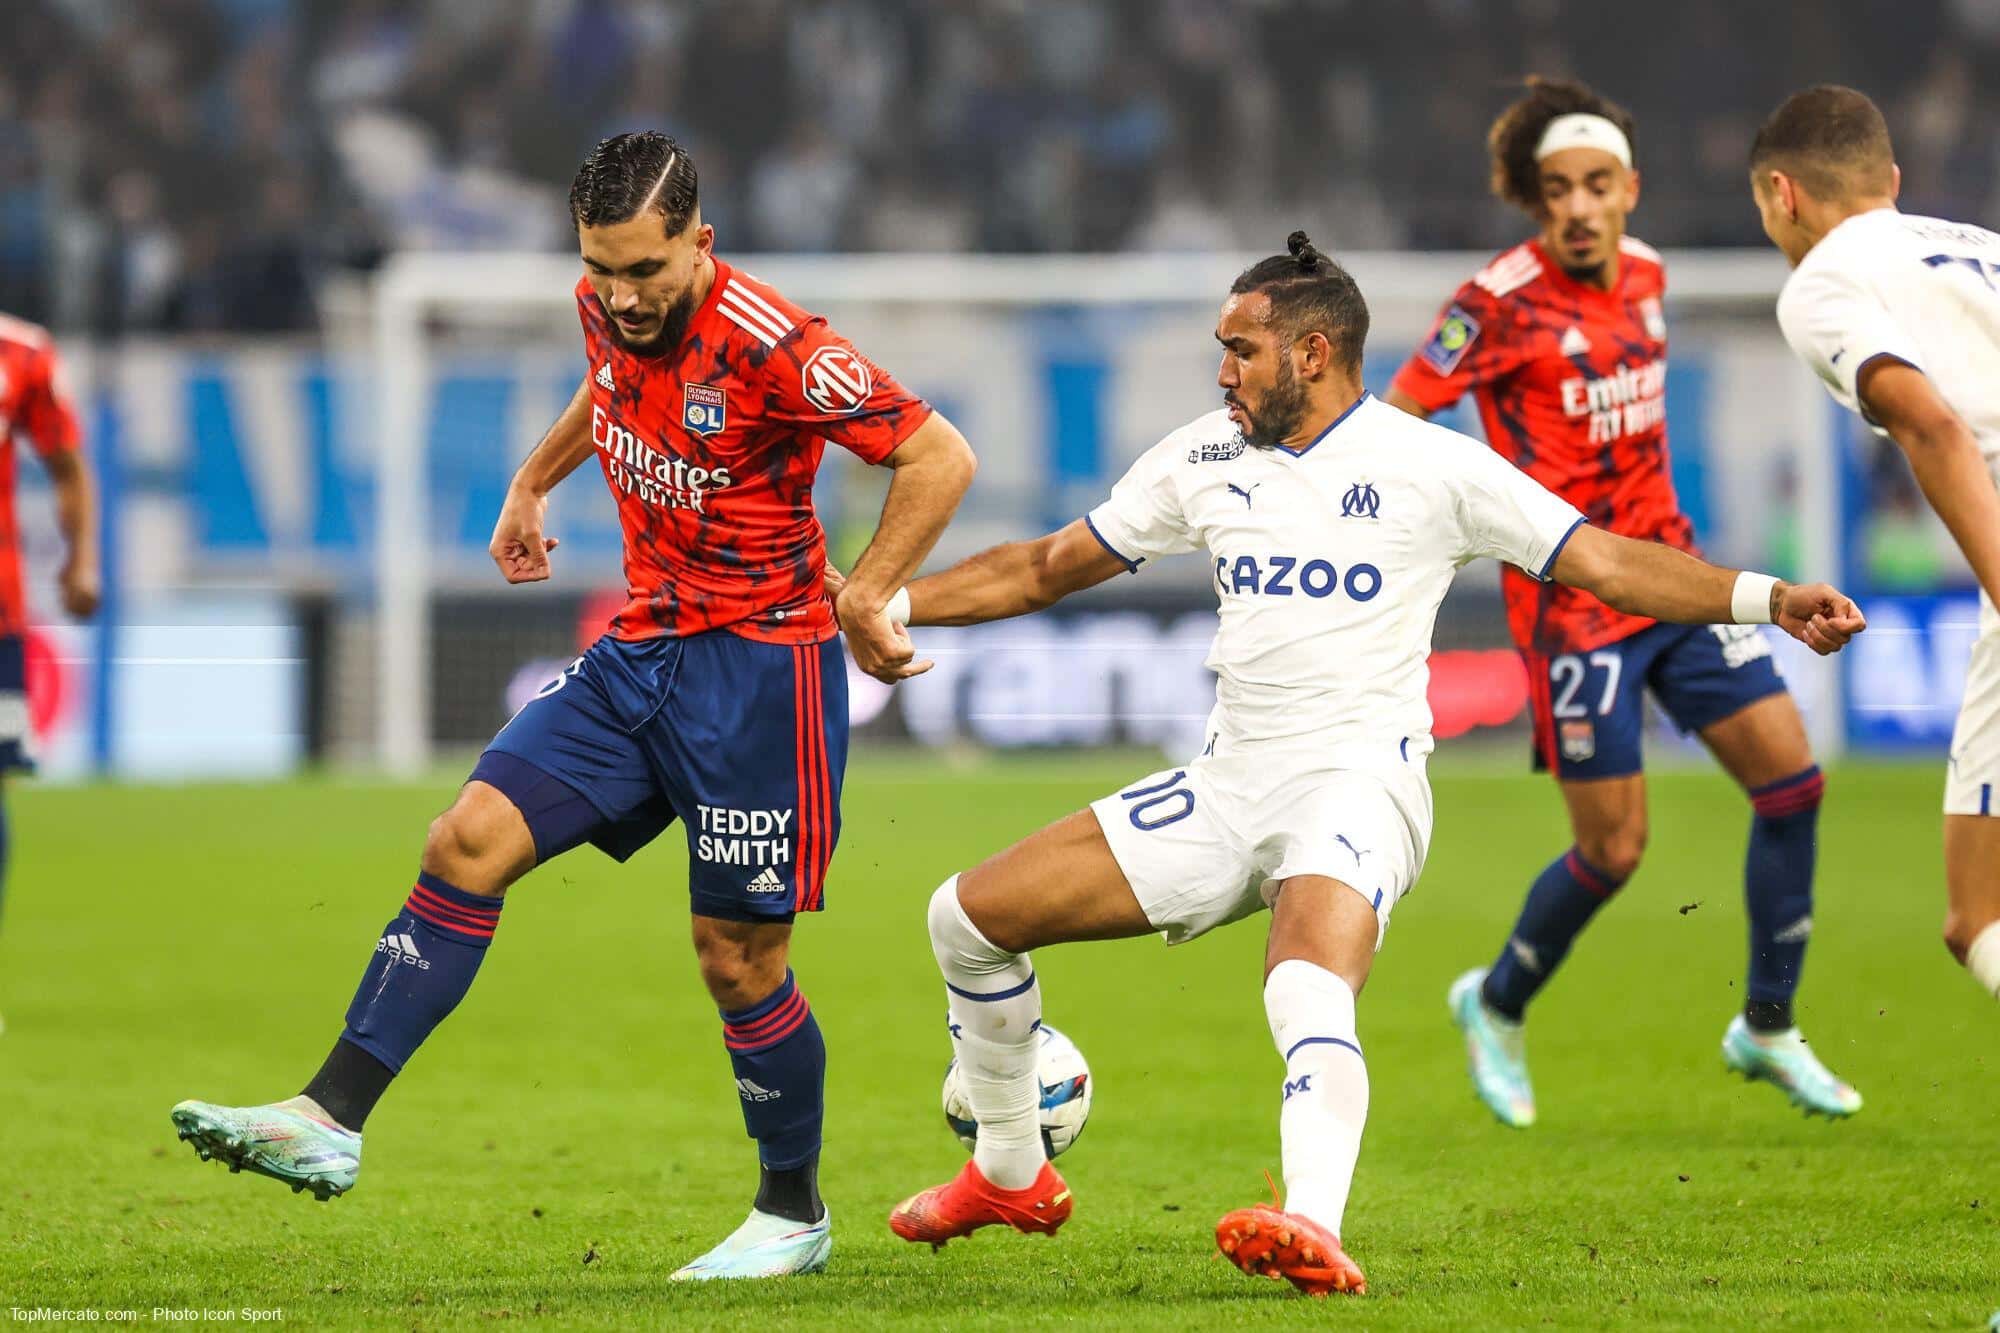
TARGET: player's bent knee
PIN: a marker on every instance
(481, 844)
(958, 943)
(1617, 854)
(741, 963)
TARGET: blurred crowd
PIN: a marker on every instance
(204, 164)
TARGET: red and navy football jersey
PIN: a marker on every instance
(34, 408)
(710, 451)
(1571, 385)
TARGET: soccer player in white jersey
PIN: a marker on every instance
(1899, 316)
(1334, 524)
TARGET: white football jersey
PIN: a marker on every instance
(1329, 561)
(1920, 289)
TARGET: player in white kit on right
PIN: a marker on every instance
(1334, 524)
(1899, 316)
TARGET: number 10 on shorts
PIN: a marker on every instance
(1160, 804)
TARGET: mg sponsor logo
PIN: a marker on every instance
(836, 381)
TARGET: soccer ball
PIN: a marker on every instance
(1065, 1080)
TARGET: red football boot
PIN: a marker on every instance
(1266, 1242)
(968, 1201)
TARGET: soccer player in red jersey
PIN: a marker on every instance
(35, 409)
(717, 698)
(1562, 343)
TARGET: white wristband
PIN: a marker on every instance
(899, 607)
(1750, 601)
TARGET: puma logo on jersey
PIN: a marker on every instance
(1238, 490)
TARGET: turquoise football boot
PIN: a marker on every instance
(1783, 1060)
(766, 1246)
(1494, 1053)
(282, 1141)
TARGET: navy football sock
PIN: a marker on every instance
(1562, 900)
(1777, 884)
(780, 1062)
(422, 967)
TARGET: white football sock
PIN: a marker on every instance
(996, 1004)
(1326, 1087)
(1983, 959)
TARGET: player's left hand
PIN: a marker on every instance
(880, 646)
(81, 587)
(833, 581)
(1818, 615)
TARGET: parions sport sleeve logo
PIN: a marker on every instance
(836, 381)
(1450, 340)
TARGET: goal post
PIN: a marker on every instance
(967, 318)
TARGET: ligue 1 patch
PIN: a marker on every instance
(1450, 340)
(704, 408)
(1578, 738)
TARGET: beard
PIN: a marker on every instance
(674, 321)
(1588, 274)
(1282, 412)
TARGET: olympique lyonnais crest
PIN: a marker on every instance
(1578, 738)
(704, 408)
(836, 381)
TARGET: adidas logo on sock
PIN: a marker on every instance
(767, 881)
(752, 1092)
(402, 949)
(604, 376)
(1796, 933)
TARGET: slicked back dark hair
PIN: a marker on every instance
(1513, 137)
(1310, 293)
(630, 174)
(1832, 140)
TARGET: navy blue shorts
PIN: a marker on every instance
(743, 742)
(17, 736)
(1589, 708)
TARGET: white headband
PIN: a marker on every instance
(1585, 131)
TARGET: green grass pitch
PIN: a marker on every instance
(571, 1135)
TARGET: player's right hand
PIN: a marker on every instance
(880, 646)
(518, 547)
(1818, 615)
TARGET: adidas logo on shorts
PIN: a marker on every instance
(767, 881)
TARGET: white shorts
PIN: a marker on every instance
(1972, 783)
(1209, 842)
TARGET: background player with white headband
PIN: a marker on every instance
(1333, 527)
(1900, 317)
(1562, 342)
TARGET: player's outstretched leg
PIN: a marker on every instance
(1490, 1004)
(779, 1059)
(996, 1007)
(419, 970)
(1763, 1042)
(1323, 936)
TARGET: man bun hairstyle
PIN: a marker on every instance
(1830, 139)
(1517, 132)
(1310, 293)
(630, 174)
